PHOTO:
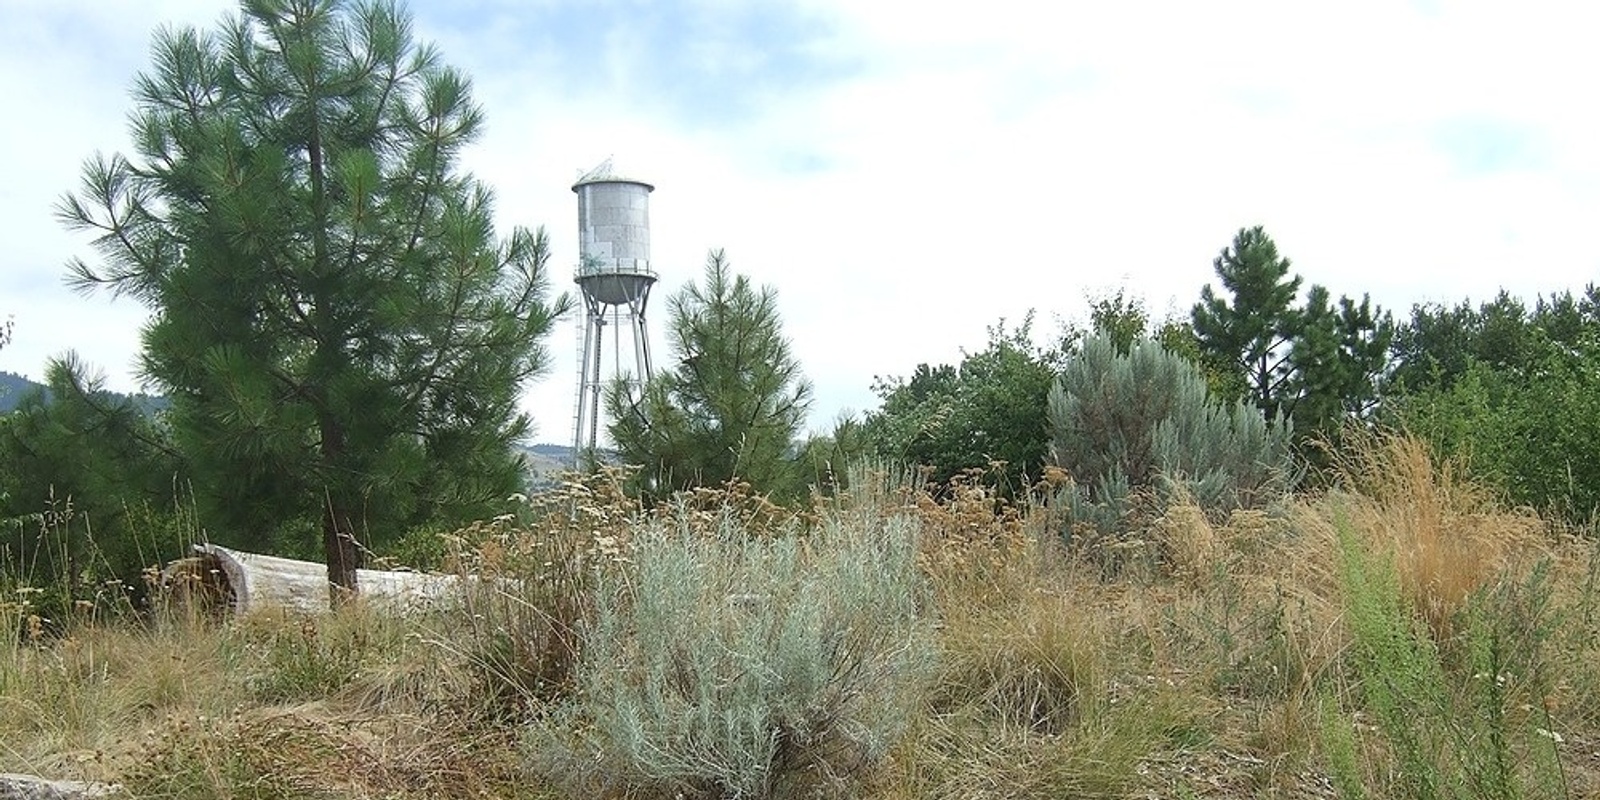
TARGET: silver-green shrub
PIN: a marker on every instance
(749, 664)
(1143, 424)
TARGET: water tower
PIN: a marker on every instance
(615, 276)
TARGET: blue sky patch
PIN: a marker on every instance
(1485, 145)
(704, 64)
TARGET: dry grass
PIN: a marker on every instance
(1448, 536)
(1216, 668)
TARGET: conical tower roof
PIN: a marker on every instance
(606, 172)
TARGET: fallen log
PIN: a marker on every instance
(29, 787)
(235, 581)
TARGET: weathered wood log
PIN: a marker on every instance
(29, 787)
(241, 581)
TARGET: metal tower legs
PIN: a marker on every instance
(591, 383)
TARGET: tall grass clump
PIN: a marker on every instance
(1577, 587)
(1451, 612)
(73, 700)
(1039, 690)
(530, 579)
(1035, 701)
(738, 663)
(1448, 535)
(1399, 675)
(1462, 717)
(1136, 431)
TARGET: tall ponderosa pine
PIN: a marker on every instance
(1319, 363)
(733, 404)
(1250, 335)
(340, 332)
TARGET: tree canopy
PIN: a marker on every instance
(732, 404)
(1511, 389)
(989, 408)
(1439, 343)
(340, 332)
(1318, 363)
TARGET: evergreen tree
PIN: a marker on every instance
(73, 445)
(1250, 336)
(340, 332)
(734, 403)
(1318, 364)
(1338, 362)
(1439, 344)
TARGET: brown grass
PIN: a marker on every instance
(1449, 537)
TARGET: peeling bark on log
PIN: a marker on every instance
(240, 582)
(29, 787)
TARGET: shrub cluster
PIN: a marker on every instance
(1136, 430)
(738, 664)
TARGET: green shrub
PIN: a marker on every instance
(747, 664)
(1141, 428)
(1462, 717)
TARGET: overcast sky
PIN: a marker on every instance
(906, 174)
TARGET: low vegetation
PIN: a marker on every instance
(1398, 634)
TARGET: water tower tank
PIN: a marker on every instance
(613, 235)
(615, 277)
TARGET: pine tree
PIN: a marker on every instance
(73, 445)
(1338, 362)
(1318, 364)
(340, 332)
(1251, 335)
(735, 401)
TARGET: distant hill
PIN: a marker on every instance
(13, 388)
(560, 451)
(546, 461)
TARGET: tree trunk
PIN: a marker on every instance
(344, 556)
(338, 534)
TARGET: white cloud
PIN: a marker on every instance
(907, 174)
